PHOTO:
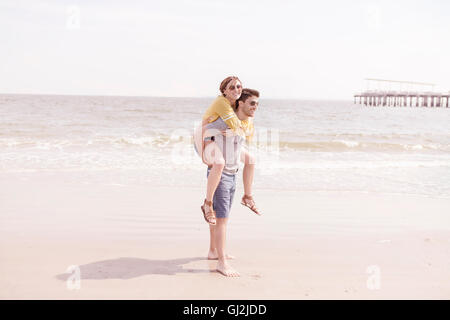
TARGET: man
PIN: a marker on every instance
(230, 145)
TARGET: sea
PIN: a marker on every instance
(302, 145)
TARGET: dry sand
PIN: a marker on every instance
(141, 242)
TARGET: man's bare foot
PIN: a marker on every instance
(224, 268)
(212, 255)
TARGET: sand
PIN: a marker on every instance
(143, 242)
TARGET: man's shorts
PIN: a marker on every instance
(223, 197)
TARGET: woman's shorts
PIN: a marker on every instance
(206, 139)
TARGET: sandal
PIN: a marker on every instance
(246, 203)
(210, 216)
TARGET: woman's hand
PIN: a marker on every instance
(227, 133)
(231, 133)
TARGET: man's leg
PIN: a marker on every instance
(223, 197)
(220, 236)
(212, 253)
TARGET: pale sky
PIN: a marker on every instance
(285, 49)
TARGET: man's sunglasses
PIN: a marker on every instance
(254, 103)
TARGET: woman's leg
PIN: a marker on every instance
(214, 158)
(248, 174)
(249, 171)
(211, 156)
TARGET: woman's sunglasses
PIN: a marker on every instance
(233, 87)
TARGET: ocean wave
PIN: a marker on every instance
(363, 146)
(163, 141)
(324, 164)
(46, 144)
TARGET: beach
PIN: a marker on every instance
(100, 199)
(139, 242)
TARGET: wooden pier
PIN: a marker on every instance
(402, 98)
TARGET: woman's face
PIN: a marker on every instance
(233, 90)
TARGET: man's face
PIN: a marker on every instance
(249, 106)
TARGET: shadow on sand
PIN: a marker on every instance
(127, 268)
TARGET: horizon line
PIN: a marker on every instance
(150, 96)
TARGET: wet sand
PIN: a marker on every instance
(142, 242)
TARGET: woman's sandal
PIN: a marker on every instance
(252, 207)
(210, 216)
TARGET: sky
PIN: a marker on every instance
(285, 49)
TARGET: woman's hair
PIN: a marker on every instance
(226, 81)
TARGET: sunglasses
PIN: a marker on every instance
(254, 103)
(233, 87)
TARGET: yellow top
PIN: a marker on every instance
(221, 107)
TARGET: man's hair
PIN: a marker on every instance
(246, 93)
(226, 81)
